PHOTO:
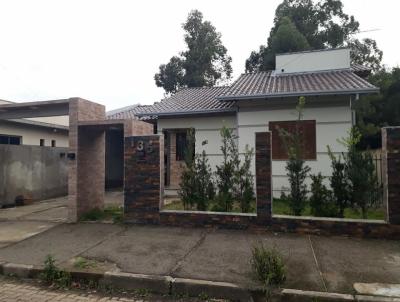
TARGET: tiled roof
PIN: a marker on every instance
(268, 84)
(129, 112)
(190, 100)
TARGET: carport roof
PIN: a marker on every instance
(34, 109)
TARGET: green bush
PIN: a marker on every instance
(296, 167)
(53, 275)
(268, 265)
(321, 202)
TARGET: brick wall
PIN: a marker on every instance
(391, 172)
(80, 199)
(143, 186)
(263, 177)
(175, 167)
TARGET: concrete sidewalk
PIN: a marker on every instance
(331, 264)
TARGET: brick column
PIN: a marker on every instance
(86, 171)
(143, 183)
(263, 177)
(391, 172)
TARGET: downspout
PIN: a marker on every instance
(353, 112)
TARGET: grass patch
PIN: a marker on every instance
(281, 207)
(177, 205)
(55, 276)
(268, 266)
(83, 263)
(114, 213)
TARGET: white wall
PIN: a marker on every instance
(313, 61)
(206, 128)
(31, 134)
(332, 122)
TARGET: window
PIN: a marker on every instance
(307, 131)
(10, 140)
(53, 142)
(181, 145)
(41, 142)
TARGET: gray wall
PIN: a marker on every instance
(37, 172)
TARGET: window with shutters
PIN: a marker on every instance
(307, 131)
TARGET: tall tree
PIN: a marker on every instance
(379, 110)
(324, 25)
(205, 62)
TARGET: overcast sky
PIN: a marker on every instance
(108, 51)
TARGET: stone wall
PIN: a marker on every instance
(143, 187)
(391, 172)
(34, 172)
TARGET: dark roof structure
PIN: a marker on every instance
(258, 85)
(128, 112)
(190, 101)
(269, 84)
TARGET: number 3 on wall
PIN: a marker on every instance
(140, 146)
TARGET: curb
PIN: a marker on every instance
(158, 284)
(192, 287)
(221, 290)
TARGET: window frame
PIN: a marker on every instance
(278, 154)
(9, 137)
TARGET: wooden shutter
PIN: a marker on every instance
(307, 131)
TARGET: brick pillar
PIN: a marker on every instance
(86, 171)
(176, 167)
(263, 177)
(391, 172)
(144, 178)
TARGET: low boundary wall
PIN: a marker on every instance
(33, 172)
(144, 180)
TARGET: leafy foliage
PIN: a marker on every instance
(268, 266)
(197, 186)
(315, 25)
(53, 275)
(226, 171)
(204, 63)
(296, 168)
(321, 202)
(364, 190)
(379, 110)
(339, 183)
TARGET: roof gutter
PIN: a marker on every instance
(175, 113)
(294, 94)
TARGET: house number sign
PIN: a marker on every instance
(143, 148)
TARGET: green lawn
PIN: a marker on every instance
(177, 205)
(280, 207)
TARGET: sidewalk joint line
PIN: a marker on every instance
(316, 264)
(190, 251)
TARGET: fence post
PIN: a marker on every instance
(143, 180)
(263, 177)
(391, 172)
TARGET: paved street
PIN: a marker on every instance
(317, 263)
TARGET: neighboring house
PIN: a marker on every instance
(44, 131)
(264, 101)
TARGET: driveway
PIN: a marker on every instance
(19, 223)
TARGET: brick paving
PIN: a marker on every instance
(20, 292)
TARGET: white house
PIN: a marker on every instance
(44, 131)
(260, 101)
